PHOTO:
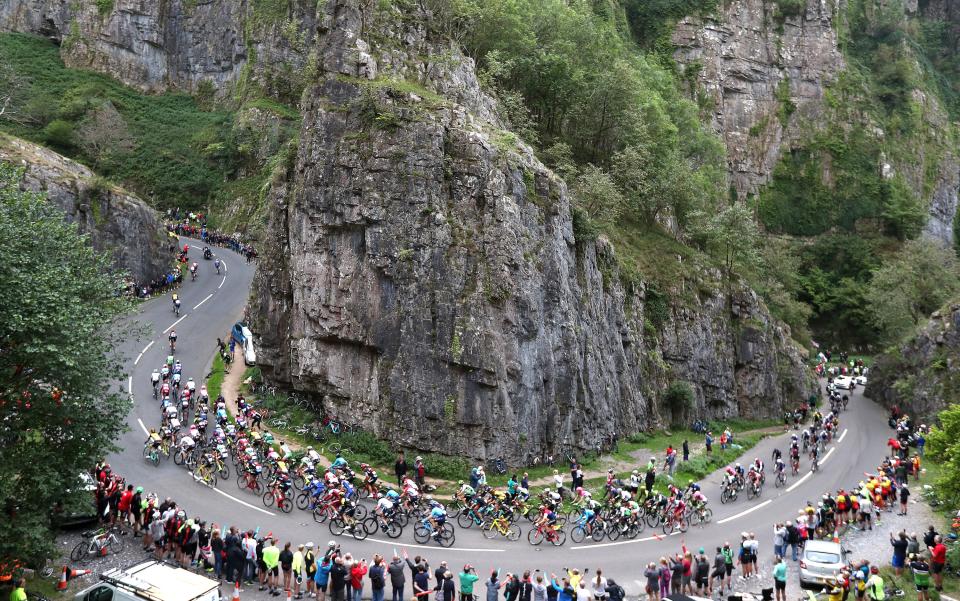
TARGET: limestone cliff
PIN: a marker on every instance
(748, 60)
(426, 276)
(764, 78)
(922, 375)
(200, 46)
(116, 221)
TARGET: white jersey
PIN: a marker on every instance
(186, 442)
(155, 377)
(191, 385)
(385, 504)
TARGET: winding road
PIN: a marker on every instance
(211, 305)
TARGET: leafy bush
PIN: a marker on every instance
(165, 161)
(59, 133)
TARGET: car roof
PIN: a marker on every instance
(822, 545)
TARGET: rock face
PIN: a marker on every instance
(426, 273)
(766, 75)
(751, 62)
(116, 221)
(923, 376)
(196, 46)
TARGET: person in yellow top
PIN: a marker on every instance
(19, 592)
(297, 570)
(575, 576)
(271, 558)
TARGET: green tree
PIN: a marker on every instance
(57, 364)
(915, 283)
(596, 194)
(943, 446)
(731, 235)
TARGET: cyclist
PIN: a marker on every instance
(437, 517)
(741, 475)
(154, 439)
(779, 467)
(814, 457)
(193, 271)
(172, 337)
(216, 263)
(187, 444)
(777, 454)
(155, 380)
(339, 463)
(164, 372)
(384, 508)
(176, 380)
(547, 519)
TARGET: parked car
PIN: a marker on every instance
(860, 380)
(845, 382)
(822, 560)
(244, 338)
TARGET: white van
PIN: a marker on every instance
(151, 581)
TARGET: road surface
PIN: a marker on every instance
(211, 305)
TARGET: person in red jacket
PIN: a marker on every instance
(123, 506)
(357, 572)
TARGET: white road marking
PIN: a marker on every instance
(825, 457)
(626, 542)
(209, 296)
(142, 427)
(393, 542)
(218, 491)
(839, 440)
(799, 482)
(745, 512)
(147, 347)
(175, 323)
(130, 385)
(137, 360)
(221, 282)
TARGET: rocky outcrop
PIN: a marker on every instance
(199, 46)
(116, 221)
(923, 375)
(756, 67)
(425, 276)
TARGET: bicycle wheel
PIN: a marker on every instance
(179, 457)
(706, 515)
(725, 495)
(578, 534)
(465, 519)
(224, 472)
(79, 551)
(360, 513)
(489, 530)
(268, 499)
(559, 539)
(614, 531)
(319, 514)
(394, 530)
(421, 534)
(337, 526)
(752, 492)
(286, 505)
(513, 532)
(447, 536)
(358, 530)
(303, 500)
(598, 532)
(535, 536)
(779, 481)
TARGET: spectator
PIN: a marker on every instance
(286, 565)
(938, 557)
(921, 577)
(468, 578)
(357, 572)
(780, 578)
(339, 580)
(400, 468)
(652, 574)
(377, 575)
(449, 590)
(899, 544)
(686, 450)
(397, 578)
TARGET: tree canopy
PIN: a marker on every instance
(57, 364)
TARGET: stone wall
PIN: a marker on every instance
(425, 277)
(116, 221)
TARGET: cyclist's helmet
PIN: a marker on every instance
(738, 465)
